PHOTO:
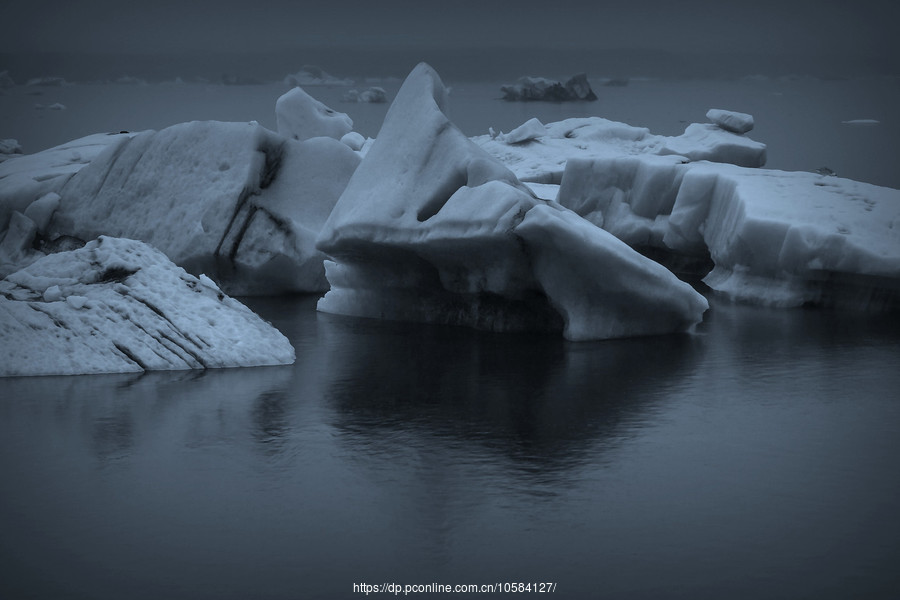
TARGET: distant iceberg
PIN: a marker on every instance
(576, 88)
(313, 75)
(373, 95)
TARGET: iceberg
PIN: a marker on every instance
(773, 237)
(729, 120)
(531, 129)
(538, 153)
(432, 228)
(117, 306)
(9, 148)
(576, 88)
(300, 116)
(374, 95)
(313, 75)
(233, 200)
(707, 141)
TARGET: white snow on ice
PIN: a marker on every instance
(729, 120)
(541, 156)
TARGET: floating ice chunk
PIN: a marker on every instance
(313, 75)
(9, 148)
(702, 141)
(542, 89)
(527, 131)
(374, 95)
(431, 228)
(774, 237)
(729, 120)
(301, 117)
(233, 200)
(603, 288)
(126, 309)
(595, 137)
(861, 122)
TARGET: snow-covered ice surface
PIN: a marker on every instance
(300, 116)
(26, 177)
(374, 95)
(541, 157)
(432, 228)
(775, 237)
(118, 305)
(730, 120)
(233, 200)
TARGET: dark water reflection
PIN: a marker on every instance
(756, 458)
(540, 402)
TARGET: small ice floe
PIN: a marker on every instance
(729, 120)
(374, 95)
(861, 122)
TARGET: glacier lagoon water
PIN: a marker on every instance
(801, 119)
(754, 458)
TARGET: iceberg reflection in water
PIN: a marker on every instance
(755, 458)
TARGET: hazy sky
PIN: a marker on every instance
(860, 27)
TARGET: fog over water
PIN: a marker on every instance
(159, 40)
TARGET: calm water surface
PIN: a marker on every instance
(757, 458)
(801, 120)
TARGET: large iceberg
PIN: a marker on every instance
(233, 200)
(432, 228)
(774, 237)
(118, 305)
